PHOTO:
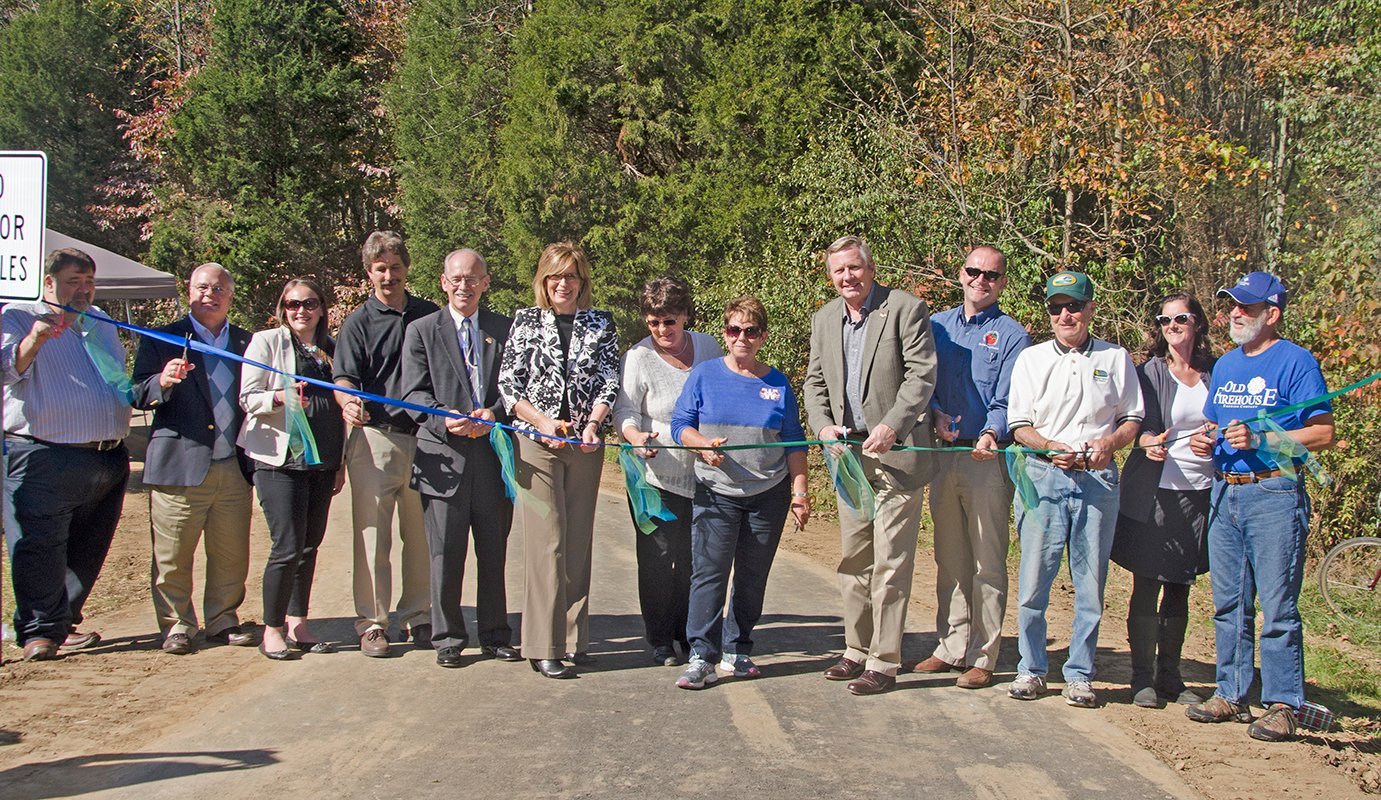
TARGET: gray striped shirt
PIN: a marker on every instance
(61, 397)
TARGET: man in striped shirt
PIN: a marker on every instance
(66, 416)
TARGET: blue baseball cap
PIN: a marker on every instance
(1257, 287)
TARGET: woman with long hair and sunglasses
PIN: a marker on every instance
(742, 497)
(1162, 523)
(294, 432)
(654, 372)
(559, 378)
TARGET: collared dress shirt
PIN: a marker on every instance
(975, 357)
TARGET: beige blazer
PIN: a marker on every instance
(264, 435)
(898, 377)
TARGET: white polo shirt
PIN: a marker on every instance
(1074, 396)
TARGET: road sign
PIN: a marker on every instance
(23, 206)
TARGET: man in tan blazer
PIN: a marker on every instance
(871, 375)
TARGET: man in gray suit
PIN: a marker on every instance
(198, 478)
(451, 360)
(871, 375)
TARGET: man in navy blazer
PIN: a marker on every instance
(198, 479)
(451, 360)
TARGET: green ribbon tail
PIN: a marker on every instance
(643, 497)
(508, 469)
(112, 370)
(301, 441)
(850, 484)
(1016, 470)
(1288, 453)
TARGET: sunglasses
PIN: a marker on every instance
(1179, 319)
(310, 304)
(1073, 307)
(750, 332)
(662, 323)
(991, 276)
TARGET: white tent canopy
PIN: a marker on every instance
(117, 277)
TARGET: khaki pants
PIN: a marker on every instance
(875, 569)
(379, 464)
(557, 546)
(971, 504)
(217, 510)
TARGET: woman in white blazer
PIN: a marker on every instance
(294, 481)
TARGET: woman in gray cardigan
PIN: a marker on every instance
(1162, 523)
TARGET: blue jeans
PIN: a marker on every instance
(1256, 534)
(739, 533)
(1078, 512)
(61, 508)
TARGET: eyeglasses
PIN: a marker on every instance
(310, 304)
(990, 275)
(663, 323)
(1179, 319)
(568, 276)
(1072, 306)
(468, 282)
(750, 332)
(1250, 309)
(209, 288)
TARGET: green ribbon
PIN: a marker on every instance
(643, 497)
(850, 483)
(112, 370)
(508, 468)
(1016, 469)
(301, 441)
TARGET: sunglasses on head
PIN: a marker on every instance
(991, 276)
(1072, 306)
(750, 332)
(663, 323)
(310, 304)
(1179, 319)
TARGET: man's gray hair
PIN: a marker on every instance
(851, 243)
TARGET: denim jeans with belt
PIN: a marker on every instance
(1077, 511)
(741, 533)
(1256, 534)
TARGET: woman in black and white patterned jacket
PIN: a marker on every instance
(559, 378)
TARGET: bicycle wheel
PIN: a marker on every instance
(1350, 579)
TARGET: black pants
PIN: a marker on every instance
(664, 573)
(61, 508)
(296, 503)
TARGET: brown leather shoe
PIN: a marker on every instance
(975, 678)
(872, 682)
(77, 641)
(40, 650)
(178, 644)
(935, 664)
(234, 636)
(846, 670)
(374, 643)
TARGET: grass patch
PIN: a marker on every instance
(1342, 661)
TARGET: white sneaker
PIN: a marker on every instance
(737, 666)
(699, 674)
(1026, 687)
(1080, 693)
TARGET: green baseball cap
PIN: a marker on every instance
(1072, 284)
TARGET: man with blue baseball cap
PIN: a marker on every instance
(1260, 510)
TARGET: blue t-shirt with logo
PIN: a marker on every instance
(1243, 385)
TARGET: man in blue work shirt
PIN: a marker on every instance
(976, 345)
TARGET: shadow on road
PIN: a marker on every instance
(68, 777)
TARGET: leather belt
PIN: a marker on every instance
(1239, 478)
(389, 427)
(102, 445)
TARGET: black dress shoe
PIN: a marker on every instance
(286, 654)
(582, 659)
(421, 636)
(665, 656)
(551, 668)
(502, 652)
(448, 657)
(233, 636)
(313, 647)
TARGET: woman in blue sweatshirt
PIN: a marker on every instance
(741, 496)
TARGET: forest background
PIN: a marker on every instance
(1155, 144)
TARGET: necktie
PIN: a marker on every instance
(472, 363)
